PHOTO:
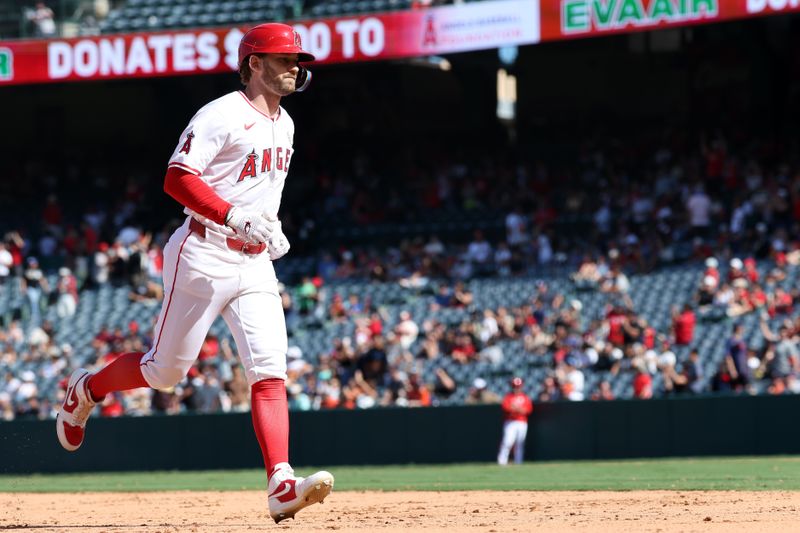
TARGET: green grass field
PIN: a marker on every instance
(751, 473)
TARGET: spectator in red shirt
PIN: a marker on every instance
(375, 324)
(750, 270)
(683, 325)
(649, 334)
(642, 384)
(517, 407)
(52, 213)
(464, 350)
(417, 393)
(780, 302)
(88, 238)
(111, 406)
(15, 245)
(616, 319)
(757, 296)
(209, 348)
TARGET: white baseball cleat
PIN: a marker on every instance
(77, 406)
(288, 494)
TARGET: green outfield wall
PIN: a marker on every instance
(562, 430)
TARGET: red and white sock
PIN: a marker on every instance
(270, 412)
(123, 373)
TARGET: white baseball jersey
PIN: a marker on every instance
(244, 156)
(239, 152)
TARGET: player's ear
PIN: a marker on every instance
(255, 62)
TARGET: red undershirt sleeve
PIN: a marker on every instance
(194, 193)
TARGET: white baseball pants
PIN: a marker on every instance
(203, 278)
(514, 433)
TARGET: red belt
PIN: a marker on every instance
(234, 244)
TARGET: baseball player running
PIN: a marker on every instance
(228, 171)
(517, 407)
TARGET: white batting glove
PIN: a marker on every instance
(250, 227)
(207, 222)
(278, 244)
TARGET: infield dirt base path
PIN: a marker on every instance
(202, 512)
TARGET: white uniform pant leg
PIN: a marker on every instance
(507, 443)
(519, 445)
(193, 298)
(257, 323)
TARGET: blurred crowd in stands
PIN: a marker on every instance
(619, 209)
(65, 18)
(633, 204)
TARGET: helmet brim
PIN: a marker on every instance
(302, 56)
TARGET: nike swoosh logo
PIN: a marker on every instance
(283, 489)
(72, 400)
(248, 126)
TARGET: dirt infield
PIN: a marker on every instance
(406, 511)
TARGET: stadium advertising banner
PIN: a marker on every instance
(568, 19)
(437, 30)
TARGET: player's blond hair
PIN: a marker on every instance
(245, 73)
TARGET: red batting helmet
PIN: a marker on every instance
(516, 382)
(272, 38)
(276, 38)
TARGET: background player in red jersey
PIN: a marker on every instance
(517, 407)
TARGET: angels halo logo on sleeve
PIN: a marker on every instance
(6, 64)
(187, 145)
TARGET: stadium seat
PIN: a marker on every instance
(189, 19)
(223, 18)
